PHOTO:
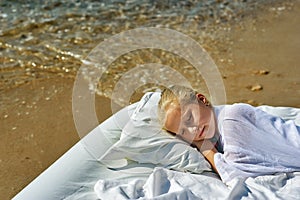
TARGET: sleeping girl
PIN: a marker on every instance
(238, 140)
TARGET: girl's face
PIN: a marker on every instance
(192, 122)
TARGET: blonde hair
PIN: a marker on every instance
(178, 95)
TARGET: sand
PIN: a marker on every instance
(260, 66)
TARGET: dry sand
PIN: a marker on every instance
(265, 54)
(261, 66)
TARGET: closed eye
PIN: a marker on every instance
(181, 132)
(189, 118)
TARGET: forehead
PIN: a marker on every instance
(173, 118)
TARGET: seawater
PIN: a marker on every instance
(45, 39)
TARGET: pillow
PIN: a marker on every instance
(100, 139)
(286, 113)
(143, 141)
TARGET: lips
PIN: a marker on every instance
(201, 132)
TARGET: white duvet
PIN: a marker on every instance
(167, 184)
(164, 183)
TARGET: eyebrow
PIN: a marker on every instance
(186, 116)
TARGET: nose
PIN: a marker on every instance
(193, 129)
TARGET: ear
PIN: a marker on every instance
(201, 98)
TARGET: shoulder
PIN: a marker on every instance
(239, 111)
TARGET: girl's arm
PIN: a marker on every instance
(207, 148)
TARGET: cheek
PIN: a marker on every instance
(204, 117)
(211, 128)
(198, 116)
(209, 115)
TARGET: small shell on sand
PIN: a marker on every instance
(261, 72)
(253, 102)
(255, 88)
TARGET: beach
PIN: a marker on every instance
(257, 57)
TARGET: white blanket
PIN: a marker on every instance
(255, 143)
(167, 184)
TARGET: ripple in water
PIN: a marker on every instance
(44, 39)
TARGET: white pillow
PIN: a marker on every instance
(143, 140)
(286, 113)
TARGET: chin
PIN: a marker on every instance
(210, 133)
(211, 130)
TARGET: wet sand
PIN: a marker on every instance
(36, 118)
(37, 128)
